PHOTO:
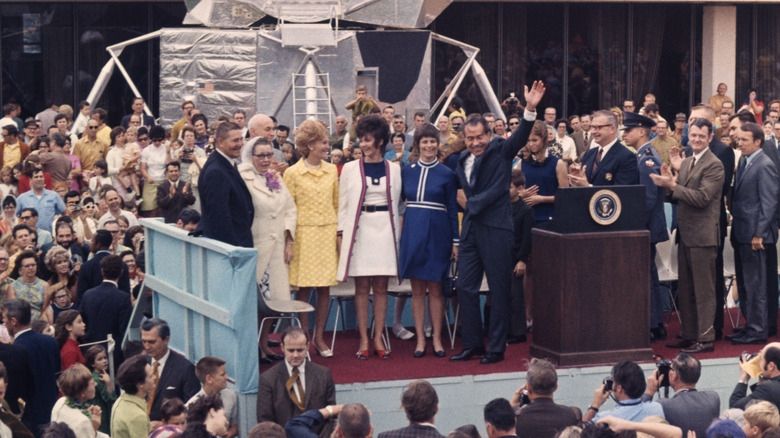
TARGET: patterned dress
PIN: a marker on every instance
(315, 191)
(32, 293)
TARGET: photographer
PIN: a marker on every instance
(768, 386)
(689, 409)
(539, 416)
(626, 385)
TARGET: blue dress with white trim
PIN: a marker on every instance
(430, 226)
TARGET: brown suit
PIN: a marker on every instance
(23, 147)
(697, 195)
(579, 142)
(274, 404)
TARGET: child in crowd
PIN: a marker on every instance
(337, 158)
(357, 153)
(363, 103)
(523, 219)
(101, 177)
(760, 417)
(96, 360)
(131, 157)
(7, 186)
(213, 376)
(288, 151)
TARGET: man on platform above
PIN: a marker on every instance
(499, 419)
(626, 386)
(542, 417)
(663, 142)
(174, 375)
(754, 226)
(138, 110)
(768, 386)
(295, 385)
(689, 409)
(421, 404)
(609, 162)
(696, 190)
(636, 135)
(484, 172)
(225, 200)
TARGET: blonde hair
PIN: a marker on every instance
(763, 415)
(67, 110)
(132, 131)
(655, 419)
(308, 132)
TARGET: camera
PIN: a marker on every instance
(747, 357)
(524, 400)
(512, 99)
(608, 383)
(663, 365)
(77, 208)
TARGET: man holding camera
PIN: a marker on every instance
(539, 416)
(689, 409)
(768, 386)
(626, 386)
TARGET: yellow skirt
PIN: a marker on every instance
(314, 256)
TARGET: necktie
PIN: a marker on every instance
(598, 159)
(741, 168)
(586, 138)
(150, 399)
(295, 380)
(693, 162)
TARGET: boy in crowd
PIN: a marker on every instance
(213, 376)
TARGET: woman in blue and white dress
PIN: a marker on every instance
(368, 223)
(430, 232)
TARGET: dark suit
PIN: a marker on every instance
(753, 209)
(45, 359)
(177, 380)
(770, 149)
(413, 430)
(170, 207)
(226, 203)
(769, 391)
(274, 403)
(617, 167)
(690, 410)
(21, 383)
(697, 196)
(487, 237)
(649, 162)
(147, 121)
(91, 276)
(543, 418)
(106, 309)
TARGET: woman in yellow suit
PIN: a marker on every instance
(314, 185)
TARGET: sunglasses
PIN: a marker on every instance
(92, 127)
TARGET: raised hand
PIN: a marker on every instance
(534, 96)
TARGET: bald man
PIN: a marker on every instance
(768, 387)
(260, 125)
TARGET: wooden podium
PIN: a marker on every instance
(591, 278)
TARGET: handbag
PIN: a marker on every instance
(449, 286)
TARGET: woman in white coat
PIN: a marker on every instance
(369, 195)
(273, 230)
(78, 386)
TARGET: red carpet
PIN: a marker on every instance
(347, 369)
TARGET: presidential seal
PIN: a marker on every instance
(605, 207)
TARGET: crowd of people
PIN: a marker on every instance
(375, 202)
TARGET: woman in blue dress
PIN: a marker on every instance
(544, 173)
(429, 237)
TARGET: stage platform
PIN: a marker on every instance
(464, 388)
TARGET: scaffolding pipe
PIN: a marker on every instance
(310, 80)
(487, 91)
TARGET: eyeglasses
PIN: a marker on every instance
(597, 127)
(24, 218)
(514, 123)
(261, 156)
(143, 138)
(4, 259)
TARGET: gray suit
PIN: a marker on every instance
(579, 142)
(697, 195)
(753, 210)
(691, 410)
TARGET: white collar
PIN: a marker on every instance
(230, 160)
(16, 336)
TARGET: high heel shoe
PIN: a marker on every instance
(327, 352)
(420, 353)
(362, 355)
(383, 354)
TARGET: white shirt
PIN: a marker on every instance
(163, 360)
(605, 149)
(155, 157)
(568, 146)
(301, 375)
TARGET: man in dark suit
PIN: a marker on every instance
(105, 309)
(227, 210)
(45, 359)
(541, 418)
(754, 225)
(138, 110)
(173, 195)
(90, 275)
(609, 163)
(421, 404)
(21, 382)
(636, 134)
(174, 374)
(726, 156)
(499, 419)
(484, 171)
(310, 385)
(696, 190)
(689, 409)
(768, 387)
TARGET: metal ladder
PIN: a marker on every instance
(311, 95)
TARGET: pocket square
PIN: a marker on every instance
(173, 388)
